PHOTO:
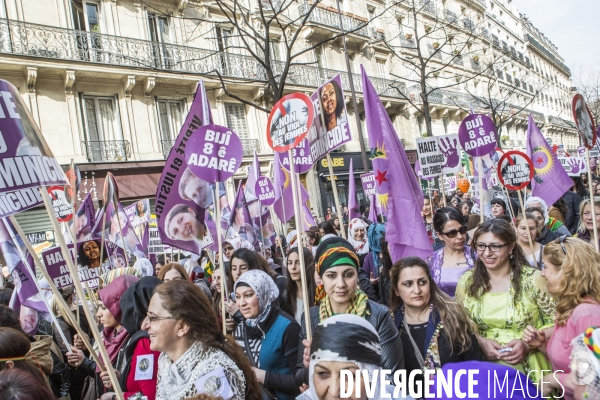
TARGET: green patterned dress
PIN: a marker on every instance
(499, 318)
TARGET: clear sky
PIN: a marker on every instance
(572, 25)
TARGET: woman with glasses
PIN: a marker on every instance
(173, 272)
(585, 231)
(451, 261)
(195, 353)
(434, 329)
(503, 295)
(573, 279)
(533, 252)
(268, 335)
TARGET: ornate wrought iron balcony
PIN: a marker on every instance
(108, 150)
(34, 40)
(331, 19)
(167, 145)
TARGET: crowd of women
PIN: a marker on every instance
(511, 292)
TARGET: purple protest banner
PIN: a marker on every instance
(57, 268)
(477, 135)
(26, 157)
(330, 127)
(86, 219)
(303, 160)
(182, 197)
(19, 200)
(368, 184)
(265, 191)
(138, 212)
(214, 152)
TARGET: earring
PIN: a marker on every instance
(511, 256)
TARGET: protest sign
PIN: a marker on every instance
(515, 170)
(584, 121)
(477, 135)
(330, 127)
(214, 152)
(303, 160)
(26, 159)
(368, 184)
(438, 155)
(575, 166)
(19, 200)
(182, 197)
(62, 207)
(289, 121)
(265, 191)
(138, 212)
(420, 173)
(450, 183)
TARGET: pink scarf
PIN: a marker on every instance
(113, 343)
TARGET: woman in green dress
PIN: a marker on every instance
(503, 295)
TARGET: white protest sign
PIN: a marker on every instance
(574, 166)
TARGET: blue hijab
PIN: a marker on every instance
(375, 233)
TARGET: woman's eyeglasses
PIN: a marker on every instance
(494, 247)
(452, 234)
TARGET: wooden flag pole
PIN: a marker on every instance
(224, 293)
(116, 209)
(298, 221)
(528, 233)
(37, 284)
(480, 186)
(74, 190)
(442, 189)
(102, 237)
(335, 193)
(592, 198)
(55, 291)
(73, 270)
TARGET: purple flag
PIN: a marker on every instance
(182, 197)
(307, 219)
(353, 209)
(550, 181)
(396, 182)
(373, 209)
(241, 223)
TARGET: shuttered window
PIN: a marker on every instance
(236, 119)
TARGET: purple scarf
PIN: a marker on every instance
(436, 260)
(113, 343)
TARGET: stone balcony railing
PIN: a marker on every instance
(107, 150)
(331, 19)
(43, 41)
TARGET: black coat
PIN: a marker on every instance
(572, 218)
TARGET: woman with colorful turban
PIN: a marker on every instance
(337, 264)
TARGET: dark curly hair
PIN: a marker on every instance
(186, 302)
(339, 106)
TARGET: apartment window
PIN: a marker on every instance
(381, 70)
(235, 115)
(101, 118)
(170, 118)
(320, 57)
(276, 49)
(86, 16)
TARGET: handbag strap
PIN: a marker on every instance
(247, 345)
(415, 347)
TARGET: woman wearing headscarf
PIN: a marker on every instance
(357, 236)
(344, 342)
(337, 264)
(585, 353)
(280, 246)
(268, 335)
(232, 244)
(552, 223)
(140, 362)
(114, 335)
(372, 262)
(292, 239)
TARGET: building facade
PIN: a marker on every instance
(110, 81)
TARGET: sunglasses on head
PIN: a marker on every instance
(561, 241)
(452, 234)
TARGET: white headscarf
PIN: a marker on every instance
(292, 239)
(144, 267)
(265, 289)
(535, 199)
(356, 335)
(360, 246)
(237, 242)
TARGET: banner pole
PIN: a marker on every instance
(37, 284)
(224, 293)
(480, 186)
(592, 202)
(528, 233)
(442, 189)
(73, 270)
(102, 237)
(335, 193)
(298, 221)
(118, 208)
(55, 291)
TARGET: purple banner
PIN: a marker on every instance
(19, 200)
(368, 184)
(59, 271)
(265, 191)
(477, 135)
(26, 160)
(330, 127)
(138, 212)
(182, 197)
